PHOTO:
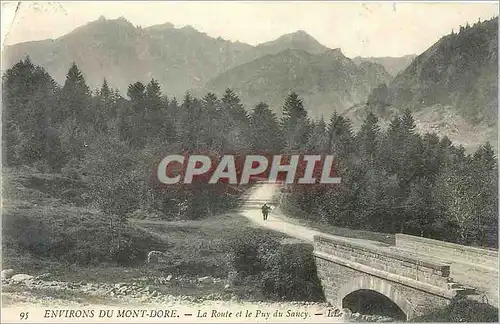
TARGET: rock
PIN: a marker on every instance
(21, 277)
(169, 277)
(7, 273)
(227, 286)
(156, 257)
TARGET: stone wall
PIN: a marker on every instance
(344, 268)
(339, 281)
(450, 251)
(380, 259)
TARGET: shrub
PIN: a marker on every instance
(77, 237)
(278, 271)
(462, 309)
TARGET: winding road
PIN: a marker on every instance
(484, 280)
(278, 221)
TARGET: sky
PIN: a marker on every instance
(359, 29)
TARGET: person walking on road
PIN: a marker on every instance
(265, 211)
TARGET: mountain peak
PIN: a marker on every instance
(300, 40)
(102, 20)
(299, 35)
(335, 53)
(189, 28)
(102, 26)
(161, 27)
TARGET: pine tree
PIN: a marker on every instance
(137, 93)
(76, 97)
(236, 126)
(233, 108)
(29, 102)
(340, 138)
(318, 140)
(296, 126)
(265, 131)
(107, 99)
(485, 155)
(173, 110)
(190, 123)
(157, 124)
(213, 122)
(367, 137)
(408, 123)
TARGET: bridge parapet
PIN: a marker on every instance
(383, 258)
(449, 251)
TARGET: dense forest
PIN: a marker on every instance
(393, 180)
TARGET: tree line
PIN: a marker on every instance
(393, 180)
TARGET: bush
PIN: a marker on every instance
(278, 271)
(462, 309)
(77, 236)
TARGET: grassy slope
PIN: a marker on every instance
(33, 216)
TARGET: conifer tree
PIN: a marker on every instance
(213, 122)
(265, 131)
(295, 124)
(75, 96)
(318, 139)
(340, 137)
(367, 137)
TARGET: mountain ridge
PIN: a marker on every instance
(181, 58)
(326, 82)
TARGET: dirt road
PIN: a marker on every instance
(278, 221)
(483, 280)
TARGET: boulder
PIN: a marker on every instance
(21, 277)
(7, 273)
(44, 276)
(156, 257)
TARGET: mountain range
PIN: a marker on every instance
(184, 59)
(451, 86)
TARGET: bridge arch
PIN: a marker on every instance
(375, 286)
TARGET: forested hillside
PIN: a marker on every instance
(392, 181)
(460, 70)
(328, 81)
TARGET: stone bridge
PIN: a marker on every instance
(410, 279)
(405, 280)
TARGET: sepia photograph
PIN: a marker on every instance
(249, 161)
